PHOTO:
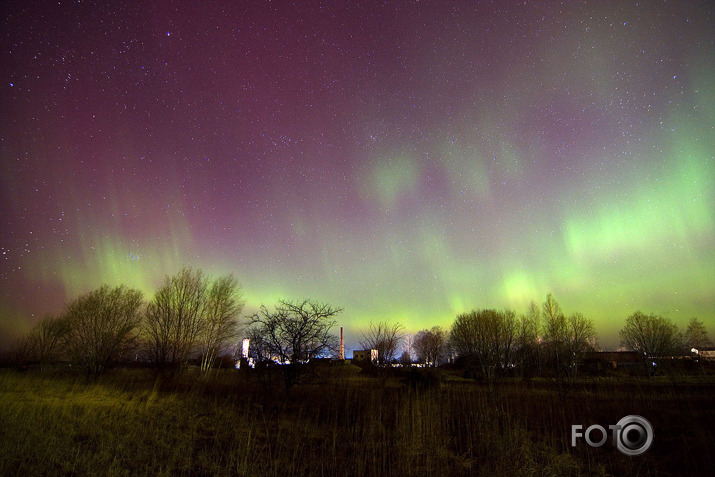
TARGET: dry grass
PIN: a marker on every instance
(131, 424)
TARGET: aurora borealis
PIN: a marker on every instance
(407, 161)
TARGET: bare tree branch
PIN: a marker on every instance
(430, 346)
(100, 325)
(294, 333)
(651, 335)
(173, 319)
(220, 325)
(383, 337)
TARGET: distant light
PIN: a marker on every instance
(244, 350)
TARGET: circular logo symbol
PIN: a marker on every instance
(634, 435)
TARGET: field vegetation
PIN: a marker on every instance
(345, 421)
(119, 386)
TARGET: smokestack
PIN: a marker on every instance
(342, 344)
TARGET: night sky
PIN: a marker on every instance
(407, 161)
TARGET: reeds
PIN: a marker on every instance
(131, 424)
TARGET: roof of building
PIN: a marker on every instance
(614, 355)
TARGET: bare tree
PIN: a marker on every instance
(555, 335)
(653, 336)
(408, 350)
(554, 319)
(44, 343)
(220, 319)
(294, 333)
(464, 335)
(100, 325)
(580, 338)
(259, 350)
(18, 353)
(383, 337)
(528, 349)
(430, 346)
(174, 319)
(696, 335)
(507, 339)
(485, 339)
(566, 338)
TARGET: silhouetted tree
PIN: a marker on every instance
(219, 324)
(430, 346)
(555, 335)
(294, 333)
(408, 350)
(696, 335)
(566, 339)
(383, 337)
(580, 338)
(174, 319)
(258, 349)
(653, 336)
(528, 347)
(485, 339)
(100, 325)
(44, 343)
(191, 314)
(19, 352)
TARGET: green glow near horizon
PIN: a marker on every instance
(603, 266)
(409, 179)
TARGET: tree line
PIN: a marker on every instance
(190, 314)
(492, 344)
(193, 315)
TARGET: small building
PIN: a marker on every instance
(614, 360)
(704, 353)
(365, 355)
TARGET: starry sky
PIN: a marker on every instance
(405, 160)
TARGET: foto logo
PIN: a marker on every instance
(632, 435)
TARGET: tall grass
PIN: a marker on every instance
(131, 424)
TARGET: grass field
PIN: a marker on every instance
(130, 423)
